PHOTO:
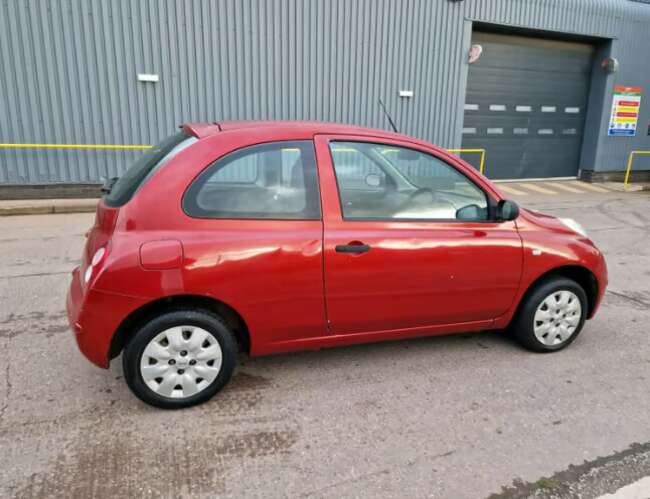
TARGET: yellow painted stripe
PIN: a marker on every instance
(590, 187)
(537, 188)
(627, 109)
(564, 187)
(74, 146)
(511, 190)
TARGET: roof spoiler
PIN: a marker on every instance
(200, 130)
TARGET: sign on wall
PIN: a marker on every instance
(625, 111)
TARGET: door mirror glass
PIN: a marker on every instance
(374, 180)
(507, 210)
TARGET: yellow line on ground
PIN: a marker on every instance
(536, 188)
(565, 187)
(590, 187)
(512, 191)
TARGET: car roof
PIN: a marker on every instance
(201, 130)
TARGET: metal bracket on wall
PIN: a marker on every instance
(481, 151)
(629, 165)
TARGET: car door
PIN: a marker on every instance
(256, 240)
(398, 253)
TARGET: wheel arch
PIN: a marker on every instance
(135, 319)
(582, 275)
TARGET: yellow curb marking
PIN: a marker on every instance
(565, 187)
(537, 188)
(590, 187)
(512, 191)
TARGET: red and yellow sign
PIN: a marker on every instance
(625, 111)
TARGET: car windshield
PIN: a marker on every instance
(122, 189)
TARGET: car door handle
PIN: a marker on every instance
(353, 247)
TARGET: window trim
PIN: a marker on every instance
(201, 178)
(491, 202)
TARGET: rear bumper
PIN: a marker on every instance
(94, 316)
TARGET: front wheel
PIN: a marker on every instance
(179, 359)
(551, 316)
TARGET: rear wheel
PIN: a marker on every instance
(179, 359)
(552, 315)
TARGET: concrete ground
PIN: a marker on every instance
(464, 416)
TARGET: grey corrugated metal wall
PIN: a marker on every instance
(69, 69)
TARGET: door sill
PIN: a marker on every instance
(335, 340)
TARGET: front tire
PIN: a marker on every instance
(551, 315)
(179, 358)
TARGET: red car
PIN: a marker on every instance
(268, 237)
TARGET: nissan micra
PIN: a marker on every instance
(268, 237)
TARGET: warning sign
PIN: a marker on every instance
(625, 111)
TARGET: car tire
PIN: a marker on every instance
(180, 358)
(551, 315)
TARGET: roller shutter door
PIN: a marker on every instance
(526, 104)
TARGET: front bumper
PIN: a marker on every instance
(94, 317)
(602, 280)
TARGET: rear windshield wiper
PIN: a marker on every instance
(108, 185)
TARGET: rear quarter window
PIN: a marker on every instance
(276, 180)
(144, 168)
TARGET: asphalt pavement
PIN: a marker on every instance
(465, 416)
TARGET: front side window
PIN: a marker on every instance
(379, 181)
(266, 181)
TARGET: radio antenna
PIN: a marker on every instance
(390, 120)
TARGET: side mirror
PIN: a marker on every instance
(507, 210)
(469, 213)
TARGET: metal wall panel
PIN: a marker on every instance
(69, 69)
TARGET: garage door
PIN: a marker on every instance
(526, 102)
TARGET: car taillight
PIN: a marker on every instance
(97, 258)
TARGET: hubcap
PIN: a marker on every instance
(181, 361)
(557, 317)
